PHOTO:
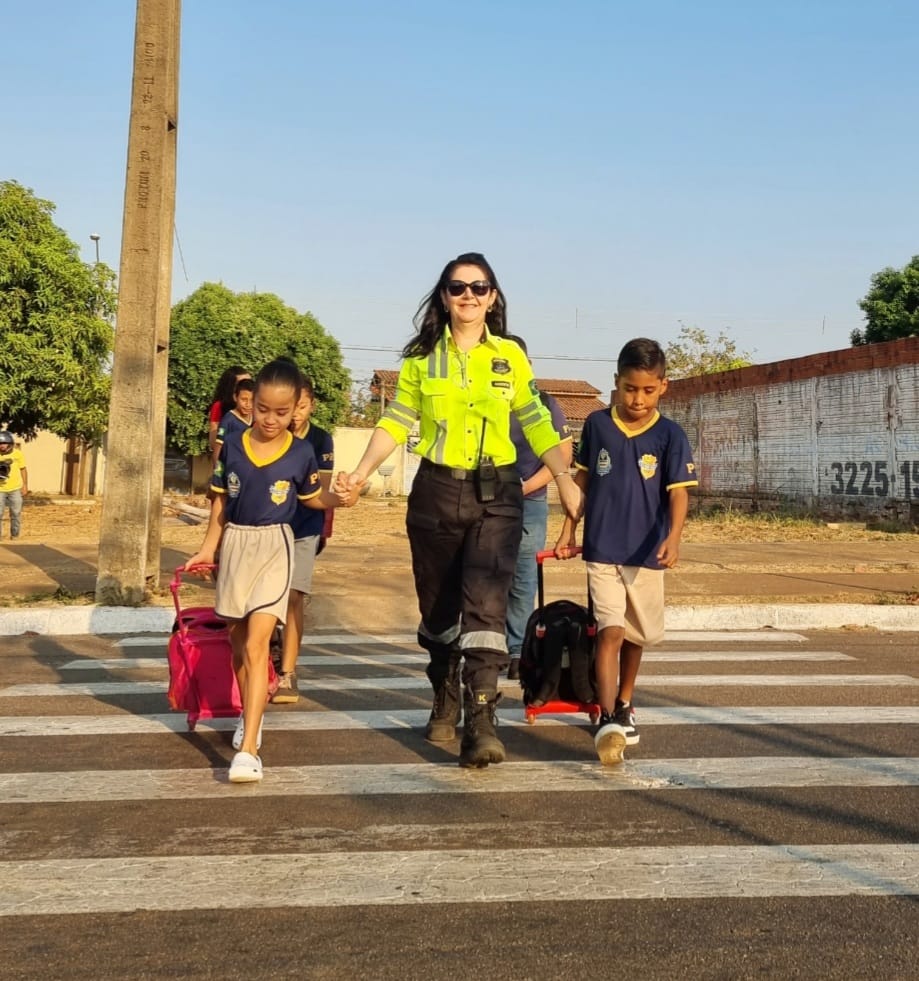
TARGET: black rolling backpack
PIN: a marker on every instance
(557, 658)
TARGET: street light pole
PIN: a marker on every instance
(95, 238)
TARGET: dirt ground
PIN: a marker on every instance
(377, 519)
(728, 557)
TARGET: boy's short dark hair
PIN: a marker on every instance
(643, 354)
(244, 385)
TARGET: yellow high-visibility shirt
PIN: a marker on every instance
(16, 463)
(454, 392)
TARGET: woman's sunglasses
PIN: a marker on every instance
(456, 287)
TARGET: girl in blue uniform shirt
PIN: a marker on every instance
(260, 476)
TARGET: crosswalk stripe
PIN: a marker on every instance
(340, 640)
(286, 721)
(565, 777)
(371, 660)
(499, 875)
(416, 683)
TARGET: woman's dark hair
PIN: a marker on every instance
(226, 386)
(642, 354)
(431, 317)
(519, 341)
(281, 371)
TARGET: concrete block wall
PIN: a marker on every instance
(838, 431)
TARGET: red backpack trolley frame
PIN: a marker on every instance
(202, 681)
(557, 706)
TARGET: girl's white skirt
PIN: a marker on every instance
(256, 564)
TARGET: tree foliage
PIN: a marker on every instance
(55, 324)
(891, 305)
(215, 328)
(695, 353)
(364, 408)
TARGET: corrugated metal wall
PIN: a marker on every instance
(846, 442)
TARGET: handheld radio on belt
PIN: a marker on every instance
(486, 474)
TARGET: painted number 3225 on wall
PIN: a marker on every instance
(871, 478)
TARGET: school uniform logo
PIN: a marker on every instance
(648, 466)
(314, 478)
(233, 485)
(604, 464)
(279, 491)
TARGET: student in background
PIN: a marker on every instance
(223, 401)
(308, 529)
(239, 417)
(535, 477)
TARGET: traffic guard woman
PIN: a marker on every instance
(460, 380)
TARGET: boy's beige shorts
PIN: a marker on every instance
(628, 596)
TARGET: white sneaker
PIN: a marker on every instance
(245, 768)
(610, 742)
(240, 734)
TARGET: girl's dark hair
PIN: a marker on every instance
(244, 385)
(226, 386)
(281, 371)
(306, 385)
(431, 318)
(642, 354)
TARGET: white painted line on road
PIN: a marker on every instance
(373, 660)
(420, 683)
(361, 780)
(419, 878)
(380, 720)
(344, 640)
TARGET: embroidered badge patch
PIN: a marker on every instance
(648, 466)
(604, 464)
(501, 384)
(279, 490)
(500, 366)
(233, 485)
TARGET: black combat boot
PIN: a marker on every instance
(480, 745)
(443, 672)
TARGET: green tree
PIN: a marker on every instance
(215, 328)
(891, 305)
(55, 324)
(364, 409)
(695, 353)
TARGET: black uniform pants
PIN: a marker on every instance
(463, 558)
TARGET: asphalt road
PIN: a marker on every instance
(766, 826)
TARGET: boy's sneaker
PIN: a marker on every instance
(245, 768)
(610, 740)
(286, 692)
(624, 715)
(240, 734)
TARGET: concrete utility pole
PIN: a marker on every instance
(129, 545)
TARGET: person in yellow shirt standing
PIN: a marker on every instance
(14, 483)
(461, 380)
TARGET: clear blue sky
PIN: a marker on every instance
(625, 166)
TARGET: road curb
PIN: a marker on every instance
(68, 620)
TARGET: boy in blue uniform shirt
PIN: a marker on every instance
(634, 467)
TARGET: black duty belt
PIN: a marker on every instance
(506, 474)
